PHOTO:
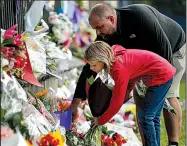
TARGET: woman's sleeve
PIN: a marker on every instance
(121, 78)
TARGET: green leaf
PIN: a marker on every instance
(104, 129)
(7, 41)
(3, 112)
(66, 83)
(90, 80)
(97, 137)
(88, 116)
(109, 132)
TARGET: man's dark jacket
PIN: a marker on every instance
(140, 26)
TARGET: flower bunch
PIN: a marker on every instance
(46, 100)
(13, 52)
(111, 138)
(52, 139)
(63, 105)
(49, 140)
(74, 138)
(115, 140)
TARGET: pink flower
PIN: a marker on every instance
(9, 33)
(17, 40)
(7, 52)
(6, 132)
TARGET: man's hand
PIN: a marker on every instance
(74, 106)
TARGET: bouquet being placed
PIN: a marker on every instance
(99, 93)
(75, 138)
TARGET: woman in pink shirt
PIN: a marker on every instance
(126, 67)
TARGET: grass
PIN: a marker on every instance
(182, 141)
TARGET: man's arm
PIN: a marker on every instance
(86, 73)
(80, 92)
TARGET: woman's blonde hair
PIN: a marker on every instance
(100, 51)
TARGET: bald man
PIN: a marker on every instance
(143, 27)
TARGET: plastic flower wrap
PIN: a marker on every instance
(15, 140)
(55, 54)
(33, 99)
(12, 96)
(45, 99)
(12, 99)
(37, 124)
(58, 42)
(37, 55)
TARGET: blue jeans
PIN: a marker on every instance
(150, 111)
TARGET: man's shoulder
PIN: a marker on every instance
(133, 8)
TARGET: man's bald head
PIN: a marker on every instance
(101, 10)
(103, 19)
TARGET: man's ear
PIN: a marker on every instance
(111, 18)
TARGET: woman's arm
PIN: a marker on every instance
(121, 78)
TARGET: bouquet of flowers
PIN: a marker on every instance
(47, 101)
(96, 88)
(14, 55)
(62, 29)
(35, 100)
(111, 138)
(13, 52)
(75, 138)
(52, 139)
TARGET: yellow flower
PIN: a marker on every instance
(57, 135)
(28, 143)
(41, 93)
(45, 91)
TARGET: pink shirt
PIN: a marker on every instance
(130, 66)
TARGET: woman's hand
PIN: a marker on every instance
(94, 122)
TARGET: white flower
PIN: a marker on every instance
(4, 62)
(75, 139)
(11, 63)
